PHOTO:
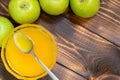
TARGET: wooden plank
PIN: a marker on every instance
(64, 74)
(106, 23)
(3, 8)
(81, 50)
(108, 77)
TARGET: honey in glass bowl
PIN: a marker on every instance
(24, 66)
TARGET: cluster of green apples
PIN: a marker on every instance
(28, 11)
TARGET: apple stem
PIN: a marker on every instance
(23, 6)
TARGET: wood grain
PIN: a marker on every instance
(108, 77)
(82, 50)
(3, 8)
(105, 23)
(88, 48)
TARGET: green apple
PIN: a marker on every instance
(24, 11)
(54, 7)
(85, 8)
(5, 27)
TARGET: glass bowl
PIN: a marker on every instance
(24, 66)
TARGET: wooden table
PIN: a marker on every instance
(88, 48)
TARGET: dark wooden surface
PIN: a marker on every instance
(89, 49)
